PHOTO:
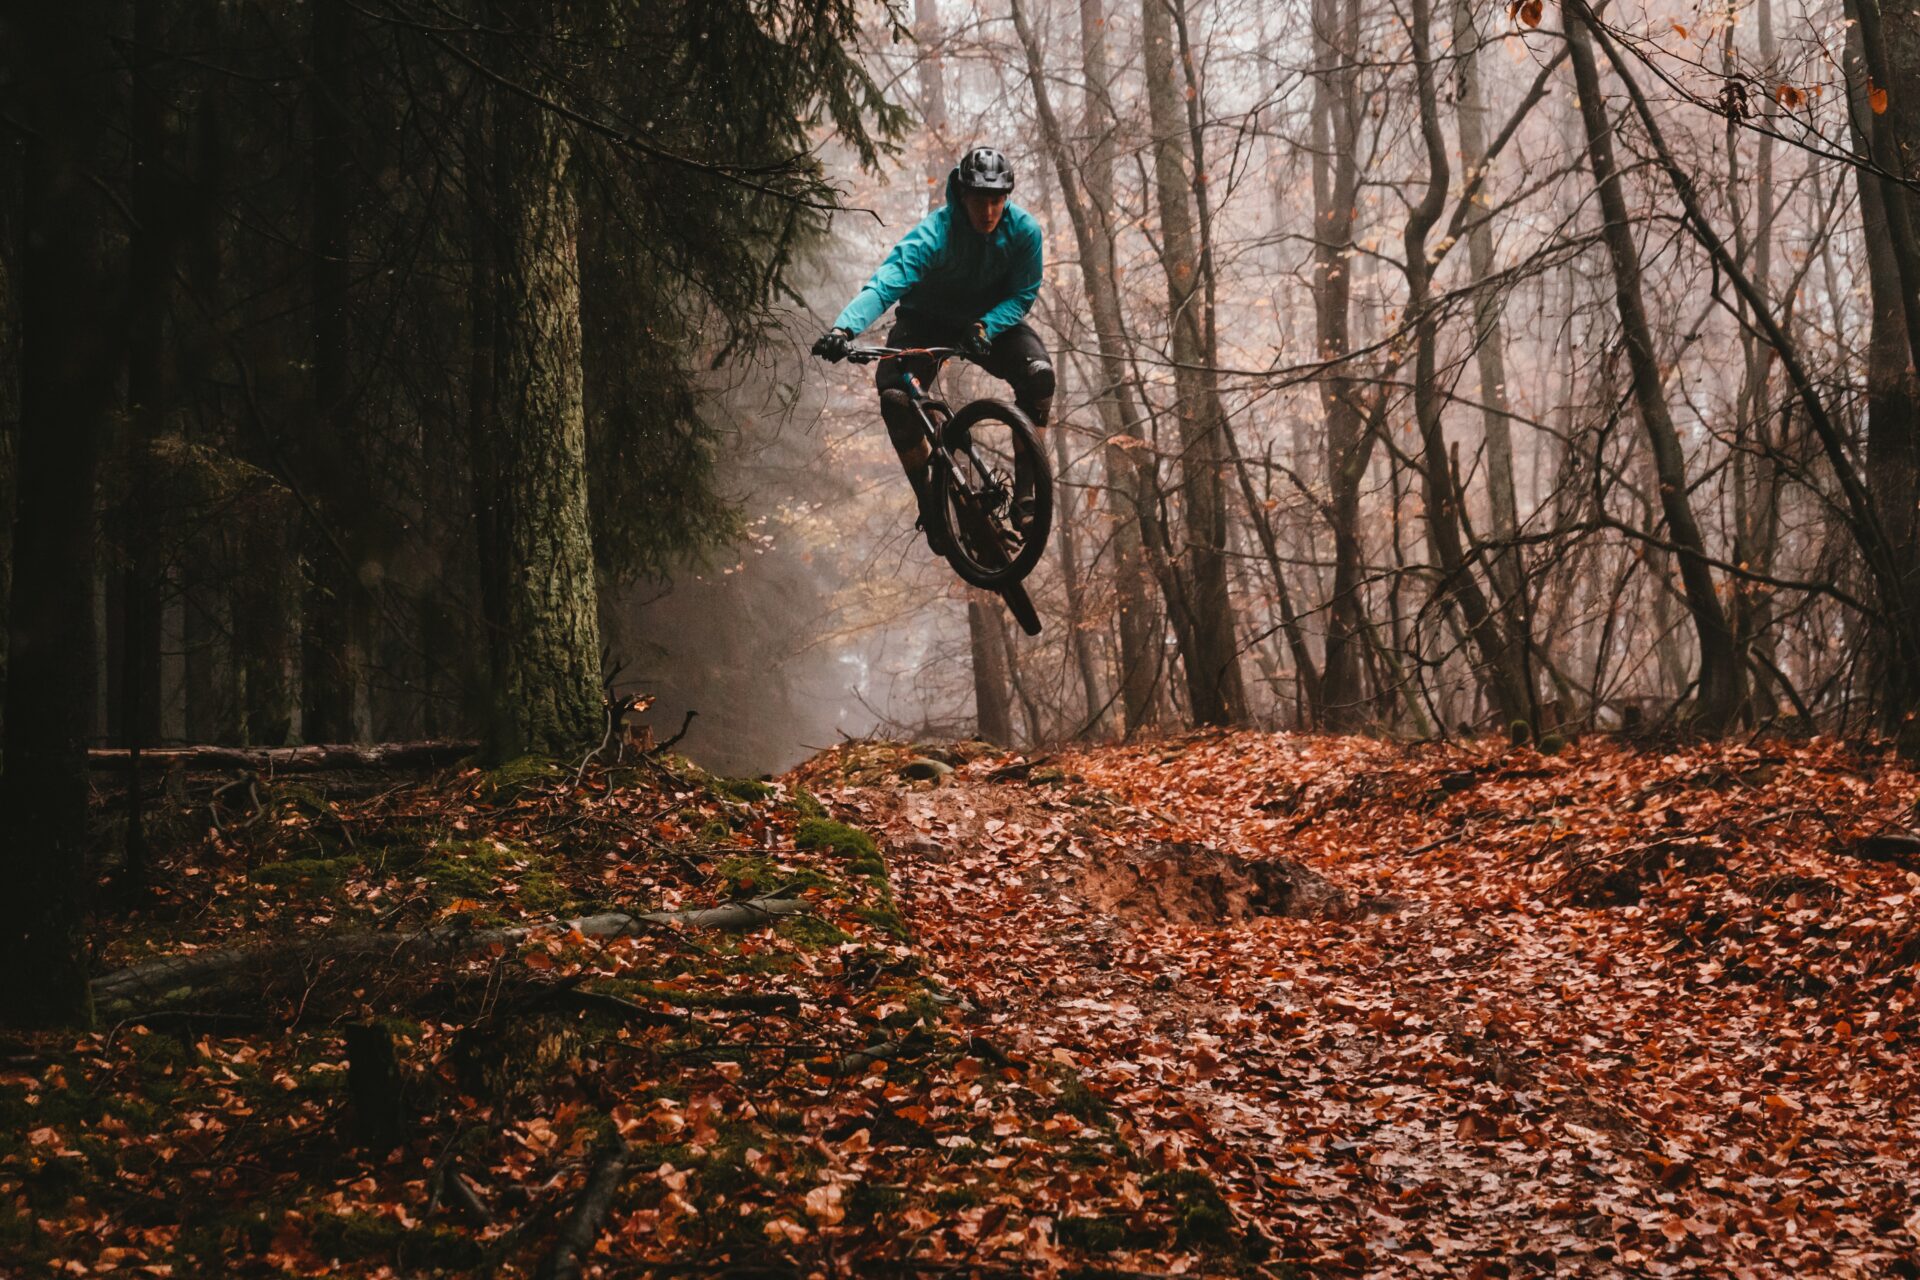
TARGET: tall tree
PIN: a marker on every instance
(992, 699)
(1213, 668)
(1506, 568)
(1087, 192)
(1884, 54)
(1336, 176)
(1721, 675)
(57, 89)
(1498, 670)
(335, 605)
(984, 642)
(541, 600)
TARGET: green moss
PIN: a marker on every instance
(752, 875)
(517, 777)
(19, 1236)
(297, 797)
(850, 843)
(964, 1196)
(1202, 1219)
(323, 875)
(215, 1238)
(1050, 776)
(1552, 744)
(812, 931)
(1079, 1100)
(885, 918)
(806, 806)
(1092, 1235)
(365, 1235)
(1090, 1155)
(747, 789)
(724, 1173)
(458, 869)
(869, 1200)
(651, 1155)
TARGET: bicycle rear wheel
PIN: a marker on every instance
(997, 500)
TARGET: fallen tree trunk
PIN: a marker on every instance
(590, 1214)
(162, 984)
(311, 759)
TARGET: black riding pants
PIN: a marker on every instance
(1018, 357)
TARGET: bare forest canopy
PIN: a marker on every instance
(1422, 368)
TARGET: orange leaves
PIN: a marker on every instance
(1526, 12)
(1789, 97)
(1877, 98)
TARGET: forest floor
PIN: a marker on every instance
(1231, 1004)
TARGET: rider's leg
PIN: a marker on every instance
(1020, 358)
(903, 425)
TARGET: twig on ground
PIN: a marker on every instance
(589, 1213)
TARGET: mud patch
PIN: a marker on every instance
(1197, 885)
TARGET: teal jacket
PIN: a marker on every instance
(946, 272)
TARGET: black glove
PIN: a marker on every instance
(976, 344)
(833, 345)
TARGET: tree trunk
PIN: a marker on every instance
(149, 385)
(1505, 570)
(264, 621)
(57, 57)
(1893, 386)
(1336, 127)
(334, 606)
(540, 598)
(1213, 667)
(1755, 470)
(1070, 582)
(1721, 678)
(1497, 671)
(990, 693)
(11, 245)
(1089, 203)
(992, 704)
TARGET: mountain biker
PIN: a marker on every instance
(965, 277)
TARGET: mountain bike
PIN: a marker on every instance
(992, 485)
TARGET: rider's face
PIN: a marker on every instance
(984, 210)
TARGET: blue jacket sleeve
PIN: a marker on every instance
(1026, 288)
(901, 270)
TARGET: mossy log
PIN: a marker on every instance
(317, 758)
(182, 980)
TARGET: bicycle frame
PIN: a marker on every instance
(940, 452)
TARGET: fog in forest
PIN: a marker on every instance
(1403, 385)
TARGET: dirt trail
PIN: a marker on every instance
(1454, 1014)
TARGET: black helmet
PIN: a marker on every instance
(985, 170)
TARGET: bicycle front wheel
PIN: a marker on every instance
(996, 497)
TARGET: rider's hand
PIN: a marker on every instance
(976, 344)
(833, 345)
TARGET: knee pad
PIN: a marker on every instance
(1036, 391)
(1038, 384)
(903, 424)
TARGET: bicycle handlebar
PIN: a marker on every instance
(867, 355)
